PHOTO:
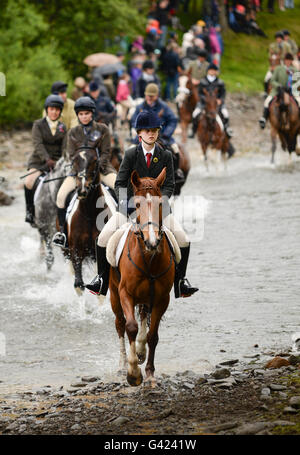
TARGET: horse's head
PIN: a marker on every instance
(86, 168)
(148, 204)
(211, 105)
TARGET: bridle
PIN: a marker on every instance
(82, 174)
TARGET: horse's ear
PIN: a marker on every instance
(135, 179)
(161, 178)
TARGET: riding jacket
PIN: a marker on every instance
(167, 116)
(96, 135)
(210, 86)
(134, 159)
(281, 77)
(46, 145)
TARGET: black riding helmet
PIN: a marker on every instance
(85, 103)
(54, 101)
(147, 120)
(59, 87)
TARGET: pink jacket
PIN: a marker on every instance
(214, 43)
(122, 91)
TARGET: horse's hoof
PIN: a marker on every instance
(134, 382)
(79, 290)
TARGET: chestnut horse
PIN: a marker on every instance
(186, 99)
(144, 277)
(285, 121)
(82, 229)
(210, 131)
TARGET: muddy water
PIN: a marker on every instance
(246, 266)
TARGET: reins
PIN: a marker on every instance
(147, 273)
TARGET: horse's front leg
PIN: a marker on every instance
(134, 374)
(49, 252)
(119, 323)
(77, 265)
(152, 337)
(142, 336)
(273, 141)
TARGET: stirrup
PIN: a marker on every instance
(95, 286)
(185, 288)
(229, 132)
(59, 239)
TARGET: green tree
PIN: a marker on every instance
(29, 61)
(82, 28)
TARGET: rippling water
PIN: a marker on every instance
(246, 266)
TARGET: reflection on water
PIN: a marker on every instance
(246, 266)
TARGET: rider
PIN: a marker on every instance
(282, 77)
(104, 106)
(48, 137)
(169, 121)
(210, 82)
(148, 159)
(87, 133)
(280, 47)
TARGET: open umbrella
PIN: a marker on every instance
(110, 68)
(100, 59)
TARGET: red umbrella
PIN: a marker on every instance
(100, 59)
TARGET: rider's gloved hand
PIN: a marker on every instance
(50, 164)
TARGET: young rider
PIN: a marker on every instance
(88, 133)
(48, 135)
(148, 159)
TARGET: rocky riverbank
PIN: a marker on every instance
(260, 399)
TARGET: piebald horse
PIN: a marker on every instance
(186, 100)
(144, 277)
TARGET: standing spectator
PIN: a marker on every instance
(78, 90)
(289, 4)
(171, 66)
(135, 73)
(281, 5)
(162, 15)
(148, 75)
(214, 46)
(123, 96)
(151, 41)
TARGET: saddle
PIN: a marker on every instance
(117, 241)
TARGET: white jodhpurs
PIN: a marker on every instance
(69, 185)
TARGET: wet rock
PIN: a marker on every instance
(282, 395)
(222, 373)
(120, 420)
(277, 362)
(294, 359)
(265, 391)
(277, 387)
(289, 410)
(251, 428)
(258, 372)
(295, 402)
(5, 199)
(76, 385)
(221, 427)
(75, 427)
(90, 378)
(229, 362)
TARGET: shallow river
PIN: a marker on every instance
(246, 266)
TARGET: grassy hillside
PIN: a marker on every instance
(245, 60)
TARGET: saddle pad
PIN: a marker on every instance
(174, 244)
(116, 244)
(220, 123)
(39, 187)
(117, 241)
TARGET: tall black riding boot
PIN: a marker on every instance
(264, 118)
(99, 285)
(182, 287)
(29, 194)
(59, 238)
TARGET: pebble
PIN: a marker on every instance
(266, 391)
(289, 410)
(90, 378)
(295, 402)
(229, 362)
(282, 395)
(277, 387)
(277, 362)
(76, 427)
(79, 384)
(251, 428)
(120, 420)
(221, 373)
